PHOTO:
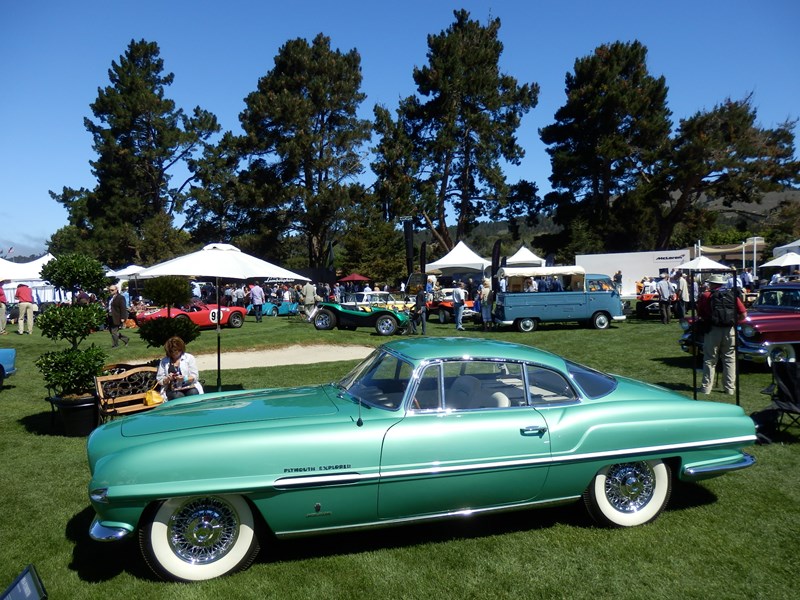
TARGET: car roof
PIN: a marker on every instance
(422, 349)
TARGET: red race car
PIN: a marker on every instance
(202, 315)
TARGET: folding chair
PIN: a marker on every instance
(786, 393)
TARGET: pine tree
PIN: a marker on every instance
(140, 139)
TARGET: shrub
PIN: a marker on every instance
(157, 331)
(71, 372)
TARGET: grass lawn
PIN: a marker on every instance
(736, 536)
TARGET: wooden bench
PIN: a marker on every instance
(123, 393)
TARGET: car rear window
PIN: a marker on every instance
(593, 383)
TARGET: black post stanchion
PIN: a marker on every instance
(736, 334)
(693, 334)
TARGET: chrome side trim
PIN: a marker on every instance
(464, 512)
(745, 461)
(359, 478)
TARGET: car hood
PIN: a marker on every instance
(233, 408)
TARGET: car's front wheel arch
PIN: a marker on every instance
(200, 537)
(629, 494)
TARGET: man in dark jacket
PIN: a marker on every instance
(719, 309)
(117, 314)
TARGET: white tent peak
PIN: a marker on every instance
(524, 258)
(221, 246)
(460, 258)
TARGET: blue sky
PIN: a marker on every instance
(55, 54)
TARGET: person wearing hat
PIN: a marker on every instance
(117, 313)
(719, 308)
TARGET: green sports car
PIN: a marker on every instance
(422, 429)
(350, 315)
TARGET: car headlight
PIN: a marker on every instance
(749, 331)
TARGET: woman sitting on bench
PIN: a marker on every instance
(177, 372)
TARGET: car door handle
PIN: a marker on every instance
(533, 430)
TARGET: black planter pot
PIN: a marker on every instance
(78, 416)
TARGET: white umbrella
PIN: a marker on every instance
(701, 263)
(219, 261)
(785, 260)
(129, 271)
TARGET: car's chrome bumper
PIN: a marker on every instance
(103, 533)
(695, 473)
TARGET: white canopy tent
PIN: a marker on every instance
(29, 273)
(459, 259)
(786, 248)
(524, 258)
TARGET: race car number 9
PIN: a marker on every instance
(213, 315)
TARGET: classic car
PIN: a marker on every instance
(771, 330)
(202, 315)
(378, 298)
(422, 429)
(441, 307)
(327, 315)
(8, 358)
(274, 307)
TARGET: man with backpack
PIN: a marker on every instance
(719, 309)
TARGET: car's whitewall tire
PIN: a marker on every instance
(629, 494)
(199, 538)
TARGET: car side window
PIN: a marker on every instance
(547, 386)
(428, 393)
(483, 384)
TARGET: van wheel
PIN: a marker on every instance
(600, 320)
(527, 325)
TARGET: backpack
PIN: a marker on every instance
(723, 308)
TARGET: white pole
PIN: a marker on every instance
(744, 244)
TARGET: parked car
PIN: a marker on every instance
(274, 307)
(441, 307)
(328, 315)
(585, 298)
(377, 298)
(771, 330)
(202, 315)
(8, 366)
(422, 429)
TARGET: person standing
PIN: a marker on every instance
(420, 310)
(486, 295)
(682, 291)
(24, 297)
(618, 282)
(664, 291)
(117, 313)
(3, 309)
(459, 295)
(309, 292)
(719, 309)
(257, 300)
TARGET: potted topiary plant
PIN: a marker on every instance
(69, 372)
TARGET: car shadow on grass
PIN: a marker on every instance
(95, 562)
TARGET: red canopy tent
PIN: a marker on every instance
(354, 277)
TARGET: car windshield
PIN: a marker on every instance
(380, 380)
(593, 383)
(779, 299)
